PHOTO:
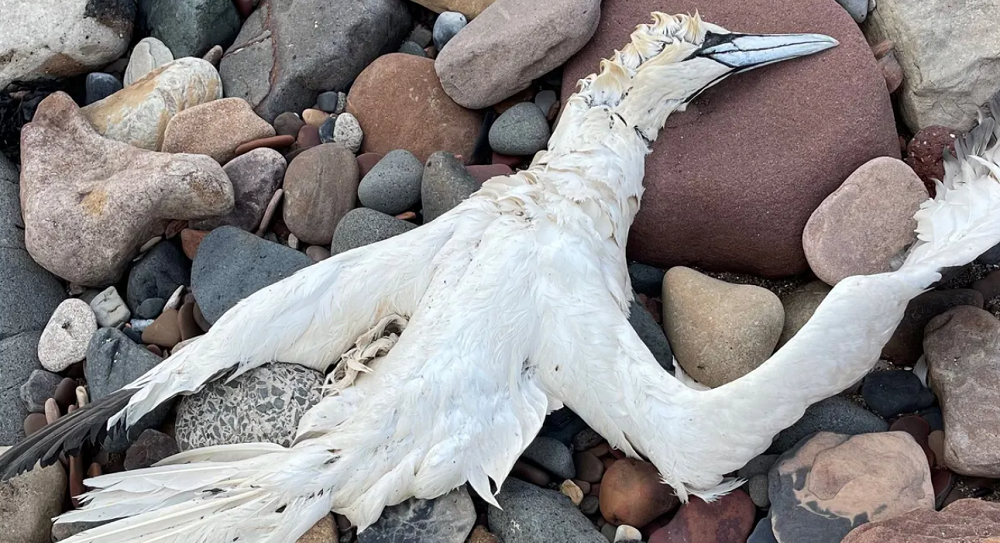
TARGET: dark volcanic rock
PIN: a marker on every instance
(533, 514)
(448, 519)
(18, 358)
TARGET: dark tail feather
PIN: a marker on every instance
(70, 434)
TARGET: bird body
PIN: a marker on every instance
(511, 305)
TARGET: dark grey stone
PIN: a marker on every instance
(762, 533)
(586, 439)
(288, 124)
(646, 280)
(534, 515)
(232, 264)
(907, 341)
(101, 85)
(39, 387)
(448, 519)
(322, 45)
(328, 101)
(421, 35)
(157, 274)
(256, 176)
(891, 393)
(8, 170)
(651, 333)
(393, 184)
(362, 226)
(563, 425)
(18, 358)
(759, 465)
(835, 414)
(552, 455)
(991, 256)
(262, 405)
(189, 28)
(444, 185)
(150, 308)
(446, 26)
(151, 447)
(411, 48)
(590, 505)
(326, 130)
(521, 130)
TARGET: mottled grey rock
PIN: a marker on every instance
(157, 274)
(446, 26)
(891, 393)
(545, 100)
(521, 130)
(151, 447)
(651, 333)
(646, 280)
(322, 45)
(444, 185)
(347, 132)
(759, 465)
(256, 176)
(421, 35)
(757, 489)
(411, 48)
(150, 308)
(552, 455)
(190, 27)
(448, 519)
(533, 514)
(101, 85)
(327, 130)
(110, 309)
(28, 503)
(327, 101)
(18, 358)
(64, 339)
(232, 264)
(393, 185)
(834, 414)
(40, 386)
(363, 226)
(147, 55)
(262, 405)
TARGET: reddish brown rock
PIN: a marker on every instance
(308, 137)
(33, 423)
(367, 161)
(164, 331)
(65, 393)
(274, 142)
(321, 186)
(733, 180)
(399, 102)
(926, 150)
(633, 493)
(244, 7)
(906, 344)
(190, 240)
(487, 171)
(964, 521)
(727, 520)
(186, 322)
(216, 129)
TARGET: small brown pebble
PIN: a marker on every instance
(308, 137)
(526, 472)
(617, 454)
(600, 450)
(185, 321)
(164, 330)
(512, 161)
(190, 240)
(173, 228)
(882, 48)
(33, 423)
(94, 470)
(608, 462)
(367, 161)
(482, 173)
(481, 535)
(52, 412)
(318, 253)
(65, 393)
(272, 209)
(584, 485)
(199, 318)
(288, 124)
(588, 467)
(155, 349)
(273, 142)
(76, 474)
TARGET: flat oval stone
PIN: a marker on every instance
(216, 129)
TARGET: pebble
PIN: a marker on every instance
(150, 308)
(255, 175)
(270, 211)
(147, 55)
(215, 129)
(757, 489)
(521, 130)
(109, 309)
(157, 274)
(484, 172)
(40, 386)
(190, 240)
(321, 186)
(288, 124)
(834, 414)
(858, 9)
(393, 184)
(632, 492)
(30, 502)
(830, 483)
(590, 505)
(324, 531)
(399, 102)
(65, 392)
(279, 393)
(274, 142)
(347, 132)
(892, 393)
(214, 55)
(865, 223)
(571, 491)
(530, 513)
(552, 455)
(308, 137)
(232, 264)
(151, 447)
(328, 101)
(447, 519)
(186, 322)
(906, 344)
(963, 357)
(326, 130)
(726, 520)
(64, 339)
(925, 152)
(444, 185)
(90, 202)
(763, 533)
(446, 26)
(588, 467)
(546, 100)
(718, 331)
(314, 117)
(367, 161)
(164, 330)
(799, 305)
(363, 226)
(317, 253)
(33, 423)
(527, 472)
(411, 48)
(100, 85)
(627, 534)
(969, 520)
(190, 27)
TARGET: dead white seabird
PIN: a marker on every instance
(512, 305)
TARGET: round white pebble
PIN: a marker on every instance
(347, 132)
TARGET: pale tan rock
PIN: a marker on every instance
(139, 113)
(65, 338)
(89, 202)
(800, 304)
(962, 349)
(28, 503)
(324, 531)
(719, 332)
(147, 55)
(314, 117)
(866, 222)
(215, 129)
(571, 491)
(469, 8)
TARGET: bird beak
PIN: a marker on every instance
(743, 52)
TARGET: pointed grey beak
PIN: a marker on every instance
(743, 52)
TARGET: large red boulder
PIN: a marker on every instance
(733, 180)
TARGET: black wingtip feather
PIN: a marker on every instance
(70, 434)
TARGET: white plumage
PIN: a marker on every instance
(514, 304)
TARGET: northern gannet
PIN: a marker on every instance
(512, 305)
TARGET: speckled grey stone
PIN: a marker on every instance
(835, 414)
(347, 132)
(446, 26)
(521, 130)
(262, 405)
(393, 184)
(757, 488)
(157, 274)
(445, 184)
(150, 308)
(362, 226)
(646, 280)
(552, 455)
(533, 514)
(39, 387)
(651, 333)
(448, 519)
(18, 358)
